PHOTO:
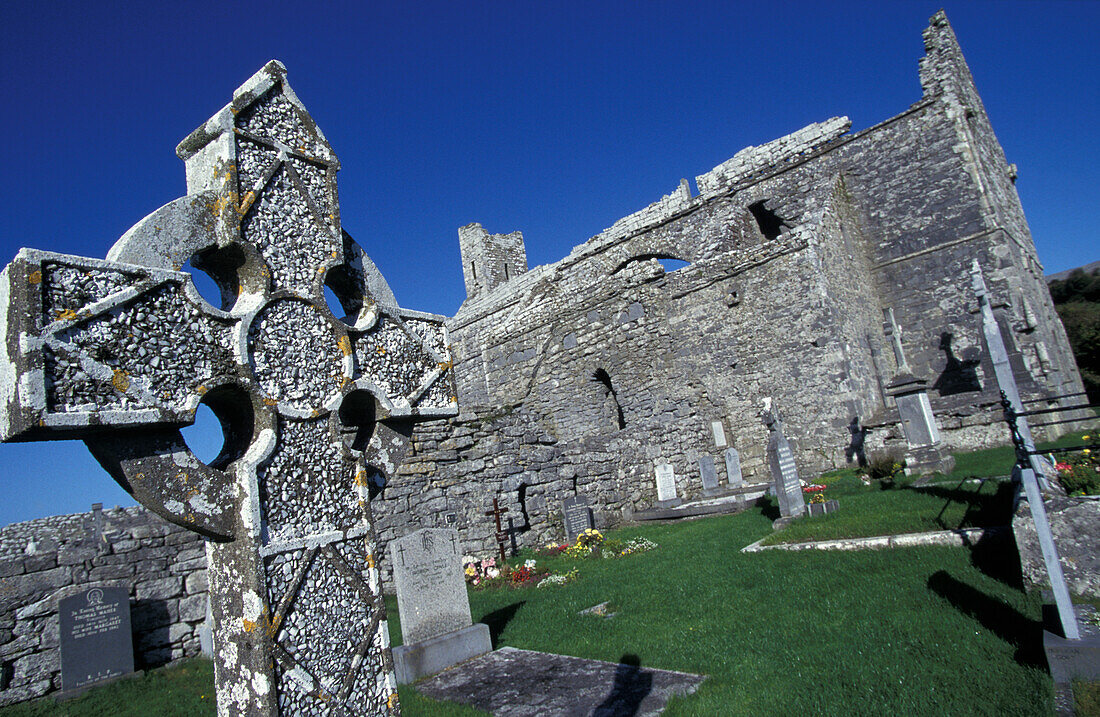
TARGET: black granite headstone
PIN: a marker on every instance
(577, 515)
(96, 643)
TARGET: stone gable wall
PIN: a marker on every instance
(42, 561)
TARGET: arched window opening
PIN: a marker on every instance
(611, 399)
(669, 262)
(771, 224)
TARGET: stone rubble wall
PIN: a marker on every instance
(42, 561)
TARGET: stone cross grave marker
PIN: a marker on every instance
(94, 636)
(121, 353)
(733, 468)
(666, 482)
(788, 488)
(501, 535)
(577, 516)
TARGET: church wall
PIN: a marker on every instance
(582, 375)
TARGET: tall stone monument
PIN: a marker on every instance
(122, 352)
(788, 487)
(926, 452)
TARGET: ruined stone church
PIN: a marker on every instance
(825, 270)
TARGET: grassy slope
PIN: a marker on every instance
(183, 689)
(908, 631)
(913, 631)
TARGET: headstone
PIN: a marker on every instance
(719, 433)
(431, 592)
(436, 628)
(666, 482)
(733, 468)
(577, 516)
(95, 638)
(788, 488)
(917, 420)
(918, 423)
(708, 474)
(121, 352)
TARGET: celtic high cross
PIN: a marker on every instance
(122, 352)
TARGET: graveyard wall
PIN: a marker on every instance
(42, 561)
(580, 376)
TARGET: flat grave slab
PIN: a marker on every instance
(522, 683)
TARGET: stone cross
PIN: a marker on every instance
(121, 353)
(890, 327)
(501, 535)
(1031, 474)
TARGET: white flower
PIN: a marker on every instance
(529, 564)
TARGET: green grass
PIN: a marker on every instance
(949, 503)
(912, 631)
(901, 508)
(1086, 698)
(915, 631)
(183, 689)
(999, 461)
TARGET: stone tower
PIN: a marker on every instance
(489, 260)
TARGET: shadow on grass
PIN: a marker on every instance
(630, 688)
(997, 557)
(769, 507)
(987, 509)
(497, 620)
(1005, 622)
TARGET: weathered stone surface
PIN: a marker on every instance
(121, 352)
(1075, 524)
(512, 682)
(794, 249)
(431, 591)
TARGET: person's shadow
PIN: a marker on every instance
(630, 688)
(959, 374)
(855, 450)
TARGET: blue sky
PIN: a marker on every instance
(552, 118)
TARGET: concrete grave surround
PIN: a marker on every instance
(522, 683)
(121, 352)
